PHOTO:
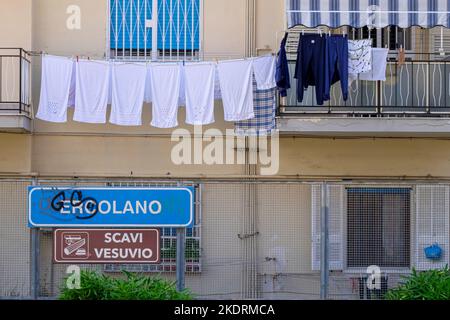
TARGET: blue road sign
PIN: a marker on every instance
(110, 207)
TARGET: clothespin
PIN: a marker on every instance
(77, 58)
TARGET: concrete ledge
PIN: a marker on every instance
(366, 127)
(15, 123)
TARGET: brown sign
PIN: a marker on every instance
(106, 246)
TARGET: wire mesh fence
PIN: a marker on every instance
(256, 240)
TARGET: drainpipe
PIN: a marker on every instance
(249, 284)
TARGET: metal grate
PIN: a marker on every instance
(15, 239)
(168, 242)
(155, 29)
(378, 227)
(258, 240)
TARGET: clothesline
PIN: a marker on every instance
(130, 59)
(91, 85)
(369, 10)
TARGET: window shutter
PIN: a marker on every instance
(179, 23)
(335, 227)
(128, 24)
(431, 224)
(438, 41)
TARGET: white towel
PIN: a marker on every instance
(92, 90)
(379, 64)
(55, 86)
(165, 86)
(148, 87)
(217, 93)
(264, 68)
(128, 89)
(73, 81)
(237, 90)
(182, 96)
(199, 88)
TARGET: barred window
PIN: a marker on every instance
(378, 227)
(155, 29)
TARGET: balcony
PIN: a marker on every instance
(15, 91)
(414, 101)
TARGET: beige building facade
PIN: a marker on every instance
(256, 235)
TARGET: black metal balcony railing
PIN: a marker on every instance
(416, 88)
(15, 82)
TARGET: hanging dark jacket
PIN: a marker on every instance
(282, 76)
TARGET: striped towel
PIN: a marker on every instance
(263, 124)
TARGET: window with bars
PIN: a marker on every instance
(155, 29)
(378, 227)
(168, 244)
(387, 226)
(391, 37)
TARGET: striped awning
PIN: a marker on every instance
(374, 13)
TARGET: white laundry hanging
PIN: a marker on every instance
(73, 81)
(128, 89)
(217, 93)
(182, 94)
(199, 88)
(165, 91)
(264, 69)
(92, 91)
(55, 87)
(148, 87)
(236, 88)
(359, 58)
(379, 64)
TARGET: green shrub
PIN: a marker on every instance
(427, 285)
(95, 286)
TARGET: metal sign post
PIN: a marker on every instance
(34, 263)
(324, 243)
(181, 259)
(35, 274)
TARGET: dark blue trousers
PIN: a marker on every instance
(338, 64)
(312, 66)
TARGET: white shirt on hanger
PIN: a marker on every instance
(55, 86)
(92, 91)
(128, 89)
(199, 88)
(165, 91)
(236, 86)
